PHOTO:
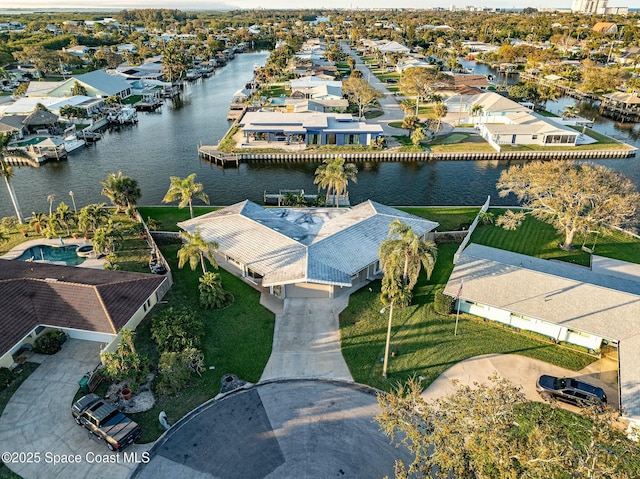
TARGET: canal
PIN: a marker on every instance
(164, 144)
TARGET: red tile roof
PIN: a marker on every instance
(36, 294)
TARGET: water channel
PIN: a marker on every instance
(164, 144)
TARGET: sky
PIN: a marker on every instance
(274, 4)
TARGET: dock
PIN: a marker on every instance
(236, 111)
(217, 157)
(279, 198)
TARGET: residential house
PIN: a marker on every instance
(311, 129)
(311, 86)
(303, 252)
(98, 84)
(606, 28)
(77, 50)
(89, 304)
(597, 308)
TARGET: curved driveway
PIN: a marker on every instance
(38, 420)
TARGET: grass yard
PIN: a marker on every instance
(536, 238)
(423, 340)
(450, 219)
(237, 340)
(459, 142)
(168, 216)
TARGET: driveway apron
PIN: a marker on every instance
(306, 341)
(38, 420)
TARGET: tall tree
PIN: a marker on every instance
(50, 199)
(183, 190)
(402, 256)
(574, 197)
(6, 172)
(65, 216)
(91, 217)
(423, 83)
(195, 249)
(123, 191)
(361, 93)
(440, 111)
(490, 431)
(334, 175)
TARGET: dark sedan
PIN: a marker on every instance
(570, 390)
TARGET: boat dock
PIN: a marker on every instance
(236, 111)
(279, 198)
(217, 157)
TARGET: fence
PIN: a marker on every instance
(465, 241)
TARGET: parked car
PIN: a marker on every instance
(105, 422)
(570, 390)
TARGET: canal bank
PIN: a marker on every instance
(165, 143)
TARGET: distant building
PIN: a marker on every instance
(597, 7)
(607, 28)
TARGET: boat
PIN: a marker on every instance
(72, 142)
(468, 70)
(90, 136)
(127, 114)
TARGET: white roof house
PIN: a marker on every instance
(324, 246)
(98, 83)
(560, 300)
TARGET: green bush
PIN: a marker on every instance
(126, 365)
(6, 376)
(212, 294)
(443, 304)
(174, 331)
(49, 343)
(175, 370)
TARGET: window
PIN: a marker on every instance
(331, 139)
(352, 139)
(314, 139)
(580, 333)
(534, 137)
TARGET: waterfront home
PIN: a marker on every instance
(311, 129)
(89, 304)
(313, 86)
(98, 84)
(502, 121)
(303, 252)
(303, 105)
(28, 104)
(13, 124)
(597, 308)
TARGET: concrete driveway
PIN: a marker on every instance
(38, 420)
(306, 341)
(288, 429)
(523, 371)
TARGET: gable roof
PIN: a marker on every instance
(321, 245)
(35, 294)
(575, 297)
(103, 82)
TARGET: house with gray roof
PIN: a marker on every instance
(303, 252)
(309, 128)
(89, 304)
(597, 308)
(98, 84)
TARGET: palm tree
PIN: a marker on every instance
(91, 217)
(64, 216)
(123, 191)
(7, 173)
(403, 254)
(334, 175)
(477, 110)
(440, 111)
(571, 111)
(418, 135)
(195, 248)
(184, 189)
(107, 238)
(50, 199)
(38, 222)
(410, 123)
(212, 294)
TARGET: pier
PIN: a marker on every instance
(213, 155)
(236, 111)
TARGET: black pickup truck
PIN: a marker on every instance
(104, 421)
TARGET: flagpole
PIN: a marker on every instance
(458, 296)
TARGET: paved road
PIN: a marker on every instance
(306, 341)
(291, 429)
(38, 420)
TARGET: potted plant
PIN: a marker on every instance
(125, 393)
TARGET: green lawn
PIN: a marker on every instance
(168, 216)
(423, 340)
(238, 340)
(539, 239)
(450, 219)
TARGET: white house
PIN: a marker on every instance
(303, 252)
(597, 308)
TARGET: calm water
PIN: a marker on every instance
(66, 254)
(165, 144)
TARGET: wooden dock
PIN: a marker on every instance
(236, 111)
(213, 155)
(278, 198)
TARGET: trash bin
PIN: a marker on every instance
(84, 383)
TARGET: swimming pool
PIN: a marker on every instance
(32, 141)
(276, 101)
(63, 253)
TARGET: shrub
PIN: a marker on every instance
(175, 331)
(212, 294)
(126, 365)
(175, 370)
(443, 304)
(49, 343)
(9, 223)
(6, 376)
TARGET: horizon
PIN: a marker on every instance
(261, 4)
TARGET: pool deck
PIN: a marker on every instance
(16, 251)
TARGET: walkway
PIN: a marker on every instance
(306, 341)
(38, 420)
